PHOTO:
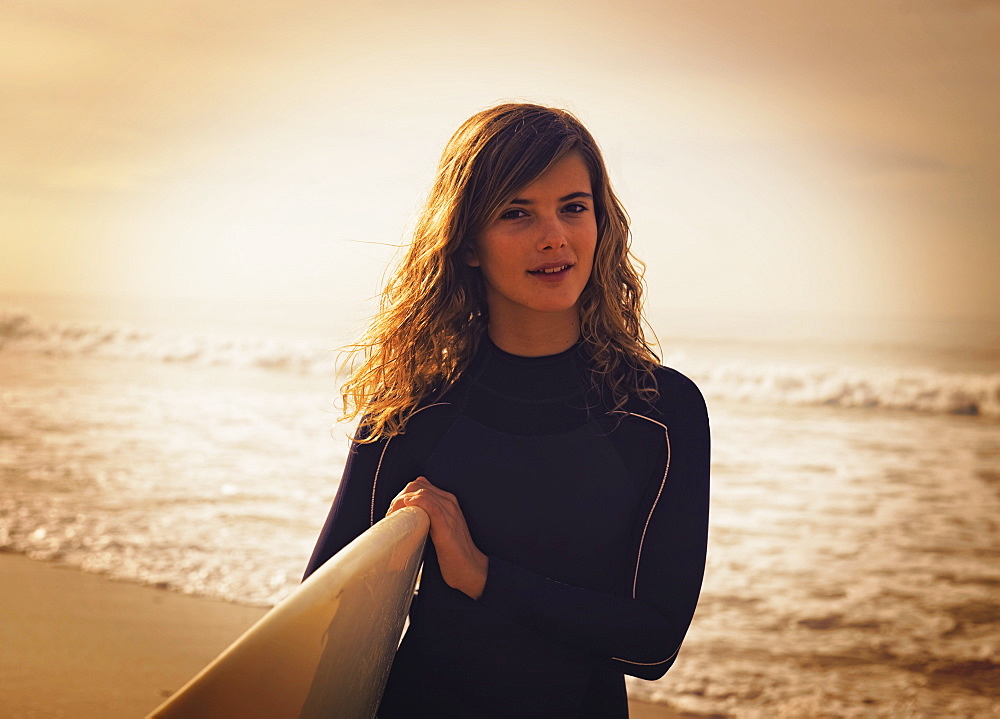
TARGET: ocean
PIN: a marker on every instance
(854, 557)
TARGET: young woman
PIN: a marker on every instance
(507, 389)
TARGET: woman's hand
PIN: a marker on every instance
(463, 566)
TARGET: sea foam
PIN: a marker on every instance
(907, 388)
(23, 332)
(897, 388)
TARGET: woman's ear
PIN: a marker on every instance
(471, 258)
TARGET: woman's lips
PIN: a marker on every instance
(551, 275)
(551, 272)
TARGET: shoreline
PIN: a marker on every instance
(89, 647)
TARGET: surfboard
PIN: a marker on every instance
(326, 650)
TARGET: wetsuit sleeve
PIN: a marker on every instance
(640, 633)
(386, 464)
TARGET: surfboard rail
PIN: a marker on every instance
(325, 650)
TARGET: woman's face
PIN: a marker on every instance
(536, 257)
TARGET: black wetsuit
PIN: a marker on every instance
(595, 526)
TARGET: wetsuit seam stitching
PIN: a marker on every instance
(648, 664)
(378, 467)
(659, 493)
(649, 517)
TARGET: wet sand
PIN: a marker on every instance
(83, 646)
(80, 645)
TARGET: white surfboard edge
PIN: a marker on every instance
(325, 650)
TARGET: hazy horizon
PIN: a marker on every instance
(322, 321)
(823, 161)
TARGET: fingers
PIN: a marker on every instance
(462, 565)
(444, 513)
(423, 484)
(399, 501)
(421, 493)
(447, 521)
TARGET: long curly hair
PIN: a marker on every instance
(433, 313)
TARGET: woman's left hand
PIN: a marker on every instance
(463, 566)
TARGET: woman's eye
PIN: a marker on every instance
(576, 207)
(514, 214)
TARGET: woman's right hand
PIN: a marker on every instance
(463, 566)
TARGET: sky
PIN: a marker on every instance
(778, 158)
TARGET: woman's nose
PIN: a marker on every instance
(552, 234)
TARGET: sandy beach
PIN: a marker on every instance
(83, 646)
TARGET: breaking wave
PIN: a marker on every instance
(21, 331)
(898, 388)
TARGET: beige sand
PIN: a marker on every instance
(78, 645)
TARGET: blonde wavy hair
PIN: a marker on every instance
(433, 313)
